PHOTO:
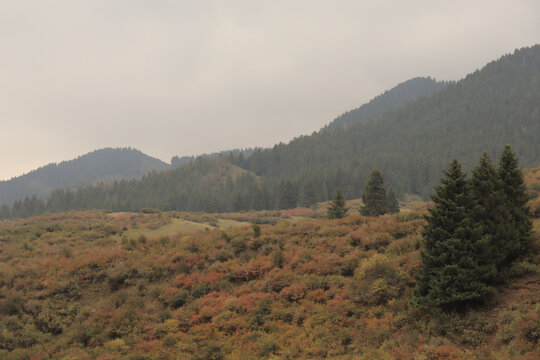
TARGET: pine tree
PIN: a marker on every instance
(492, 214)
(513, 186)
(308, 194)
(392, 203)
(337, 208)
(288, 196)
(451, 275)
(374, 196)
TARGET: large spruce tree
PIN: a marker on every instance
(493, 215)
(452, 276)
(513, 186)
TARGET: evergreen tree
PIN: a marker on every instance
(258, 200)
(374, 196)
(513, 186)
(493, 214)
(308, 194)
(392, 204)
(337, 208)
(5, 212)
(288, 196)
(451, 275)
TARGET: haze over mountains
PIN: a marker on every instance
(107, 165)
(411, 144)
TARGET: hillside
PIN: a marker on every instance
(411, 146)
(392, 99)
(491, 107)
(105, 165)
(101, 285)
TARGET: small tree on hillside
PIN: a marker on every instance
(337, 208)
(374, 196)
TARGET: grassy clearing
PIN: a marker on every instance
(179, 226)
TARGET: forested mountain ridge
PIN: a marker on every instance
(209, 184)
(177, 161)
(104, 165)
(392, 99)
(494, 106)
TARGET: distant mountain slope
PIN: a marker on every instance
(494, 106)
(103, 165)
(497, 105)
(392, 99)
(177, 161)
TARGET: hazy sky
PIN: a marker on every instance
(188, 77)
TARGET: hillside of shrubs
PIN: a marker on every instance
(287, 284)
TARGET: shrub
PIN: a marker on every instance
(239, 246)
(523, 268)
(209, 352)
(200, 289)
(377, 266)
(268, 346)
(12, 305)
(116, 345)
(256, 230)
(147, 210)
(377, 280)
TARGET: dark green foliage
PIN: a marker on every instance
(489, 108)
(308, 194)
(374, 196)
(392, 203)
(5, 212)
(451, 275)
(474, 231)
(256, 230)
(515, 190)
(288, 195)
(337, 208)
(493, 215)
(392, 99)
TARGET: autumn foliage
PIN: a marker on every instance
(97, 285)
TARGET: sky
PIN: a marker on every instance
(191, 77)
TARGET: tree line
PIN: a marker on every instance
(491, 107)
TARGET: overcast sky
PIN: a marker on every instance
(189, 77)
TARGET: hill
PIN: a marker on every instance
(105, 165)
(491, 107)
(101, 285)
(208, 184)
(392, 99)
(411, 146)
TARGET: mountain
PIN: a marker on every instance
(392, 99)
(491, 107)
(103, 165)
(411, 146)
